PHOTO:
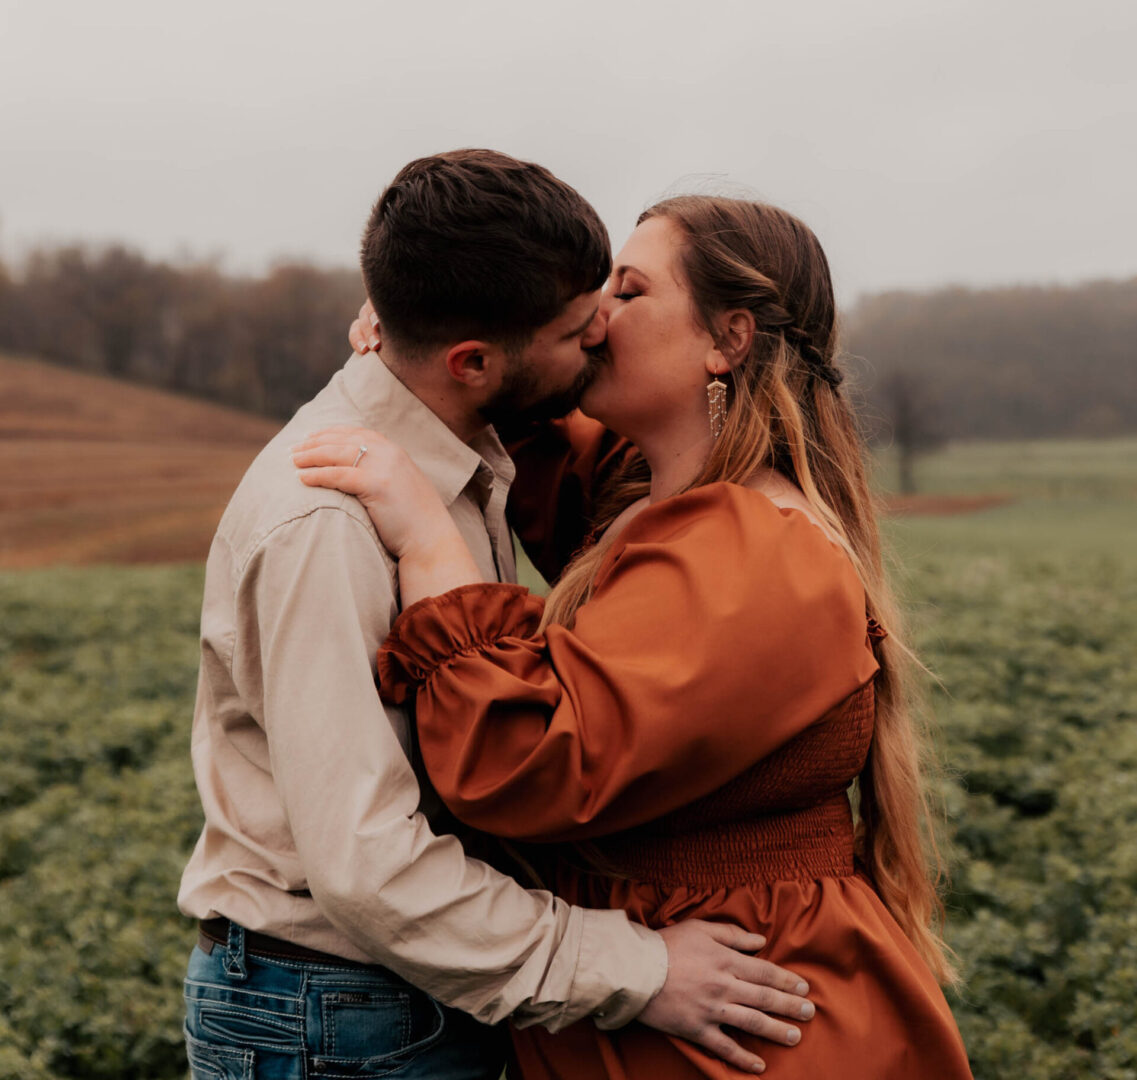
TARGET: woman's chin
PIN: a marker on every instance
(605, 403)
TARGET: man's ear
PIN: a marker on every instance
(735, 336)
(467, 364)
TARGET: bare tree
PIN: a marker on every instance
(911, 414)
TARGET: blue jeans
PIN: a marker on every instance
(258, 1018)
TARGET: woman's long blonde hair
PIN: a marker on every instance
(786, 411)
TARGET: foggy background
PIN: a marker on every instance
(926, 143)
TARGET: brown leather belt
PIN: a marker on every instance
(213, 932)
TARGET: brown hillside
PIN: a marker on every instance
(96, 470)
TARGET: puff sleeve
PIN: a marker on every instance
(721, 626)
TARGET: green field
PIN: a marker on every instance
(1069, 497)
(1050, 469)
(1027, 613)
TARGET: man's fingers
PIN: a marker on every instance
(753, 969)
(769, 1000)
(734, 937)
(723, 1046)
(756, 1022)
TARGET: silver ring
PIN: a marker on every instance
(362, 451)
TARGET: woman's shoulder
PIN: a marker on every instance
(764, 580)
(731, 516)
(732, 542)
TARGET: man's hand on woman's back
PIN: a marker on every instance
(713, 981)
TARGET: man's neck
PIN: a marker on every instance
(436, 390)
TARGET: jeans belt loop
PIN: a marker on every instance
(235, 966)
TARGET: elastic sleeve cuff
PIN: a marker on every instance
(438, 628)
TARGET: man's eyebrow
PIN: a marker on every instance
(583, 326)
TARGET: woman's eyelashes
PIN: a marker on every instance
(625, 287)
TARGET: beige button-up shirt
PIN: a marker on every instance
(314, 826)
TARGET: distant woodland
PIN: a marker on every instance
(264, 344)
(957, 363)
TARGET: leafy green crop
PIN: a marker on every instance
(97, 815)
(1036, 713)
(1028, 614)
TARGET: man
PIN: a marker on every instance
(340, 934)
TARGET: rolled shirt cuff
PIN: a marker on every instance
(634, 960)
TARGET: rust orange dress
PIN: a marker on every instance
(699, 727)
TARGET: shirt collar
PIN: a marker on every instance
(391, 409)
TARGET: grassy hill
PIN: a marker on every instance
(101, 471)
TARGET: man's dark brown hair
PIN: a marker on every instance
(476, 244)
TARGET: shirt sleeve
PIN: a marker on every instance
(316, 599)
(562, 467)
(719, 629)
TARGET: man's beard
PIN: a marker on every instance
(523, 398)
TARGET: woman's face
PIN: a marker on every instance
(654, 366)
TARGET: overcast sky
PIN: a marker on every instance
(969, 141)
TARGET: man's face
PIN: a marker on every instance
(548, 377)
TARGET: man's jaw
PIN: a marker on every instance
(521, 403)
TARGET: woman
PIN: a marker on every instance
(684, 715)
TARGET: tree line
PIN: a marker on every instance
(265, 344)
(1004, 363)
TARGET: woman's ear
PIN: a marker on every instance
(735, 335)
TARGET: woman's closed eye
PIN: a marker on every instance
(626, 295)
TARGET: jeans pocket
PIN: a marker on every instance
(209, 1062)
(371, 1031)
(228, 1017)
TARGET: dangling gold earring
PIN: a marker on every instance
(716, 405)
